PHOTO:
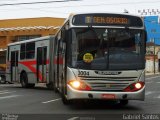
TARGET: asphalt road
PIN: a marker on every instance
(40, 102)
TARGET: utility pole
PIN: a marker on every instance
(154, 57)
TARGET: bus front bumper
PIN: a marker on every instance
(76, 94)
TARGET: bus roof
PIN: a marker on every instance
(30, 40)
(105, 19)
(80, 13)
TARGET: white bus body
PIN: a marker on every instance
(93, 56)
(29, 61)
(116, 72)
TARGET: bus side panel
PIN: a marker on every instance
(42, 60)
(51, 61)
(55, 63)
(8, 74)
(30, 70)
(12, 64)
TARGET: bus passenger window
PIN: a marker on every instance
(30, 50)
(23, 51)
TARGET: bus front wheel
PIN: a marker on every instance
(63, 93)
(64, 100)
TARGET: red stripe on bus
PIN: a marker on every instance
(29, 64)
(47, 62)
(60, 60)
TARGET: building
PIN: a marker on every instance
(152, 60)
(12, 30)
(152, 24)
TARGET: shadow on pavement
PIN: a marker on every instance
(102, 104)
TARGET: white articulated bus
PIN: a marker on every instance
(101, 56)
(29, 62)
(92, 56)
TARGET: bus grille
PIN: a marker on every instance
(109, 83)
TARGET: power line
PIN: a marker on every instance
(106, 4)
(29, 3)
(101, 4)
(84, 5)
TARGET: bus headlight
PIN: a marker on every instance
(79, 85)
(134, 87)
(75, 84)
(138, 85)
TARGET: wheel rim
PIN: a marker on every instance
(23, 80)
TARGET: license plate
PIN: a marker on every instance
(108, 96)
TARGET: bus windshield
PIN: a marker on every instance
(107, 48)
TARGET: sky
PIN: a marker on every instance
(63, 9)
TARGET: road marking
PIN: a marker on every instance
(148, 93)
(74, 118)
(10, 85)
(1, 93)
(11, 96)
(152, 77)
(157, 82)
(149, 82)
(52, 100)
(157, 97)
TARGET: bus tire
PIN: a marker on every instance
(31, 85)
(50, 86)
(56, 90)
(54, 84)
(2, 79)
(63, 95)
(65, 100)
(24, 80)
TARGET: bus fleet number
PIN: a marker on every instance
(83, 73)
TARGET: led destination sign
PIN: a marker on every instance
(107, 20)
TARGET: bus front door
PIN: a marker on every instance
(41, 64)
(14, 66)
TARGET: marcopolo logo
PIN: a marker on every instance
(107, 72)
